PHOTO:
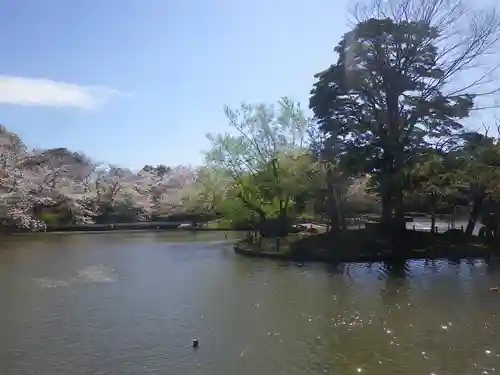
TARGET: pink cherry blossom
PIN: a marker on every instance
(33, 180)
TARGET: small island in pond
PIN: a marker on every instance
(368, 243)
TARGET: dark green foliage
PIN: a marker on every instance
(380, 96)
(55, 218)
(381, 105)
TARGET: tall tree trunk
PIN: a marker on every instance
(386, 190)
(399, 213)
(282, 221)
(496, 222)
(433, 221)
(477, 205)
(340, 212)
(433, 203)
(391, 161)
(387, 203)
(332, 214)
(332, 203)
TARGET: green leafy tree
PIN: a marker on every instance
(389, 96)
(259, 156)
(337, 192)
(159, 171)
(433, 184)
(332, 179)
(478, 171)
(207, 193)
(330, 193)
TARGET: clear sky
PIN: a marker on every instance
(136, 82)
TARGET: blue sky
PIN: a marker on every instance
(135, 82)
(145, 80)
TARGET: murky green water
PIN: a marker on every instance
(130, 304)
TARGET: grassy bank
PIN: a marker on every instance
(365, 245)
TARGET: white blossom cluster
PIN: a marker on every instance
(31, 181)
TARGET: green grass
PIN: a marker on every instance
(52, 218)
(219, 224)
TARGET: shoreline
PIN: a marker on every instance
(361, 246)
(186, 230)
(121, 227)
(356, 223)
(363, 258)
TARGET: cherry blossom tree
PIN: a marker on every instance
(167, 188)
(32, 181)
(118, 190)
(71, 184)
(207, 191)
(62, 176)
(16, 204)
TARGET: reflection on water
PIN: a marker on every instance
(130, 303)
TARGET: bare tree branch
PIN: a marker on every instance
(466, 38)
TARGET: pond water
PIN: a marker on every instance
(130, 303)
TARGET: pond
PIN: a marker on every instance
(130, 303)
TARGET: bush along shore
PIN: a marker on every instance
(368, 245)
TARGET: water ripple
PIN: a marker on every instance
(87, 275)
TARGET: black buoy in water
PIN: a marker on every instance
(195, 343)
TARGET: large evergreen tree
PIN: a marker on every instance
(387, 99)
